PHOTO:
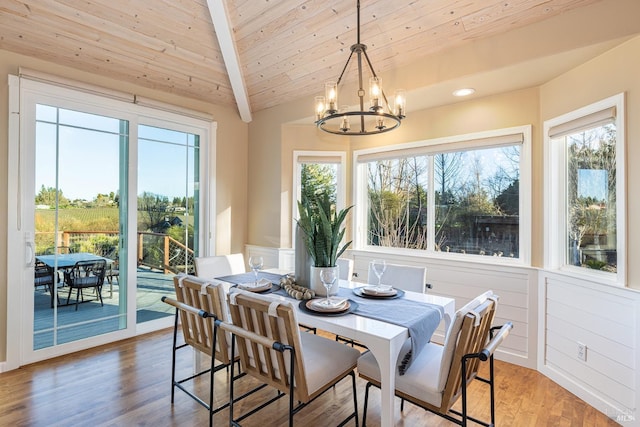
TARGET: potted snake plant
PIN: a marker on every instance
(322, 230)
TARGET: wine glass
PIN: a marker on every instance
(328, 277)
(256, 263)
(379, 267)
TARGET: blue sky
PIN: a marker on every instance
(88, 153)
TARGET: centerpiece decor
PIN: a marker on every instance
(323, 231)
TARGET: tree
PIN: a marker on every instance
(397, 203)
(317, 179)
(591, 210)
(47, 196)
(508, 201)
(155, 207)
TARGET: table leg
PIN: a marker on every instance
(387, 355)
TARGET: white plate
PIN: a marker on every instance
(336, 304)
(262, 285)
(384, 291)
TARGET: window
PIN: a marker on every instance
(317, 172)
(586, 190)
(456, 195)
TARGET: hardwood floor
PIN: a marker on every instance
(129, 384)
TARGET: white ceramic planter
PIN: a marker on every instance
(315, 284)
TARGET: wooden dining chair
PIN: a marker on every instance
(85, 275)
(198, 303)
(439, 375)
(273, 350)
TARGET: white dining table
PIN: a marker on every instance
(383, 339)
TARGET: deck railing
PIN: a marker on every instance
(154, 250)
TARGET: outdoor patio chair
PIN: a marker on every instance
(439, 375)
(274, 351)
(83, 275)
(113, 273)
(198, 303)
(43, 276)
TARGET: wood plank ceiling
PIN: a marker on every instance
(286, 49)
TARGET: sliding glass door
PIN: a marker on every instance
(77, 214)
(108, 208)
(168, 220)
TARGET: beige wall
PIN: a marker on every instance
(231, 162)
(611, 72)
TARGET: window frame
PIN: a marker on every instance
(300, 157)
(477, 140)
(555, 193)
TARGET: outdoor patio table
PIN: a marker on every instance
(64, 262)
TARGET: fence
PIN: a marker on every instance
(154, 250)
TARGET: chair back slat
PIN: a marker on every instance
(86, 274)
(197, 331)
(473, 335)
(256, 314)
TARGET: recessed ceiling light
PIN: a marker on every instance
(463, 92)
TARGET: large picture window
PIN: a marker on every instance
(586, 190)
(458, 195)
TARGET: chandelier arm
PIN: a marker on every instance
(345, 68)
(373, 73)
(360, 88)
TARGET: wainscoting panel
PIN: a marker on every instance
(464, 280)
(605, 320)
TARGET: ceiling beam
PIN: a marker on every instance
(220, 20)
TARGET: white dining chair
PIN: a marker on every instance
(209, 267)
(405, 277)
(346, 268)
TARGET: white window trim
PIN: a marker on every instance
(555, 188)
(486, 139)
(329, 157)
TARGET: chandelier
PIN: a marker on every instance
(378, 118)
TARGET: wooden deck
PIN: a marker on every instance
(93, 319)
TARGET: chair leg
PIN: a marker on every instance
(355, 396)
(99, 291)
(492, 392)
(366, 402)
(173, 358)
